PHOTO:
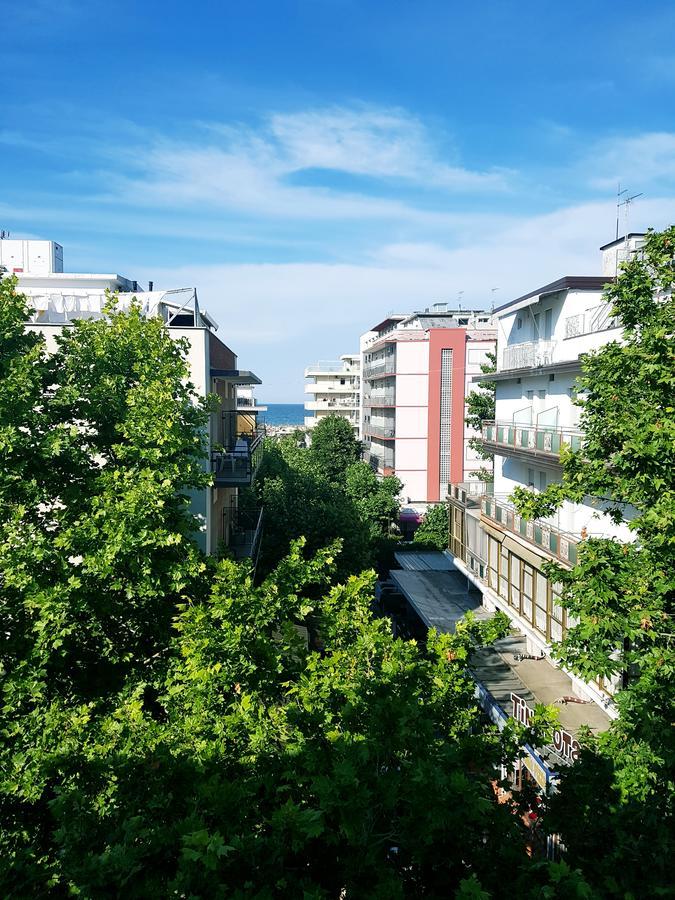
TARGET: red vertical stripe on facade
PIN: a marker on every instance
(445, 339)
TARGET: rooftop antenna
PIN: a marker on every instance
(493, 291)
(626, 202)
(460, 294)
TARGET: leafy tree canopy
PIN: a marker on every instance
(334, 447)
(480, 407)
(621, 594)
(434, 528)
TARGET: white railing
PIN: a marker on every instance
(599, 318)
(527, 355)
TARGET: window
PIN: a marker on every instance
(519, 323)
(515, 582)
(504, 576)
(548, 324)
(528, 591)
(542, 481)
(530, 477)
(493, 562)
(541, 394)
(530, 395)
(551, 377)
(557, 614)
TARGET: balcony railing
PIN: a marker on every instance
(599, 318)
(236, 464)
(383, 462)
(330, 366)
(338, 403)
(243, 526)
(469, 493)
(537, 439)
(527, 355)
(384, 431)
(380, 367)
(382, 398)
(559, 544)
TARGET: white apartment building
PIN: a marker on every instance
(334, 390)
(58, 298)
(541, 337)
(417, 370)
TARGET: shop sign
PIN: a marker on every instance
(564, 744)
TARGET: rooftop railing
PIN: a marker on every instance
(330, 366)
(560, 544)
(538, 439)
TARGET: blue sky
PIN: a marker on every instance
(312, 165)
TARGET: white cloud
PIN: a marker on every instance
(250, 171)
(636, 161)
(278, 317)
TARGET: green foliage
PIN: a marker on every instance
(480, 407)
(301, 498)
(433, 530)
(334, 447)
(615, 810)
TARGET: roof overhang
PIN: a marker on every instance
(567, 283)
(569, 366)
(236, 376)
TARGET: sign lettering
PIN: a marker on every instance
(564, 744)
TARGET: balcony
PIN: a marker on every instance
(469, 493)
(599, 318)
(330, 367)
(383, 463)
(381, 398)
(243, 526)
(331, 388)
(235, 464)
(527, 355)
(559, 544)
(346, 403)
(382, 431)
(513, 439)
(380, 367)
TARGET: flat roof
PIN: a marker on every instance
(439, 596)
(566, 283)
(535, 681)
(620, 240)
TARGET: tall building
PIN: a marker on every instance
(58, 298)
(334, 390)
(542, 336)
(416, 372)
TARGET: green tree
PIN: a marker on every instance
(434, 528)
(621, 594)
(334, 447)
(480, 407)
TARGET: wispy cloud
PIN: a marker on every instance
(640, 160)
(254, 170)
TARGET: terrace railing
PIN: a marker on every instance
(560, 544)
(538, 439)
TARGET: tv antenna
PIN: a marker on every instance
(626, 202)
(460, 294)
(493, 291)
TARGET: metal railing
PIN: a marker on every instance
(330, 366)
(380, 398)
(598, 318)
(527, 355)
(379, 430)
(559, 544)
(242, 526)
(237, 462)
(469, 493)
(384, 461)
(543, 439)
(380, 367)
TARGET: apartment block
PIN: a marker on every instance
(417, 370)
(542, 336)
(58, 298)
(334, 390)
